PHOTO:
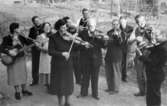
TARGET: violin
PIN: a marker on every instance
(100, 35)
(75, 39)
(69, 37)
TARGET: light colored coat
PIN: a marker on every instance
(44, 64)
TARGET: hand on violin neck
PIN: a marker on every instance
(106, 37)
(37, 44)
(87, 45)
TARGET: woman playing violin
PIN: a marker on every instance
(17, 72)
(61, 63)
(76, 54)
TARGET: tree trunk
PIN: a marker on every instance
(115, 7)
(155, 8)
(100, 1)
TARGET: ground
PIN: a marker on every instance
(23, 14)
(41, 98)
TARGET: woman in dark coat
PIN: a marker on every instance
(62, 83)
(17, 73)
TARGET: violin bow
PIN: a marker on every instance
(71, 46)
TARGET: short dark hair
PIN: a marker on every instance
(123, 17)
(66, 18)
(33, 18)
(59, 23)
(13, 26)
(84, 9)
(137, 17)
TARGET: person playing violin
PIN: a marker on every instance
(142, 39)
(113, 58)
(91, 59)
(60, 45)
(152, 58)
(17, 72)
(76, 55)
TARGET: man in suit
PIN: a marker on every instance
(91, 60)
(126, 31)
(154, 59)
(139, 66)
(34, 32)
(144, 36)
(113, 58)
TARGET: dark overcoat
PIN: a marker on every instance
(61, 69)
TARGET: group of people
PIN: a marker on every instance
(65, 49)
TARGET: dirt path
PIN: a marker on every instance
(42, 98)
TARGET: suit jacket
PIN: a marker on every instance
(114, 48)
(34, 32)
(125, 33)
(155, 62)
(83, 22)
(93, 54)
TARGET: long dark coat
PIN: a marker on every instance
(61, 69)
(154, 63)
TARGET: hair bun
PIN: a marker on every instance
(59, 23)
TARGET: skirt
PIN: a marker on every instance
(17, 72)
(44, 65)
(61, 78)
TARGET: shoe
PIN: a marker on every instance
(26, 93)
(34, 83)
(139, 94)
(107, 90)
(1, 96)
(113, 92)
(96, 97)
(67, 104)
(81, 96)
(47, 86)
(124, 80)
(78, 82)
(17, 96)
